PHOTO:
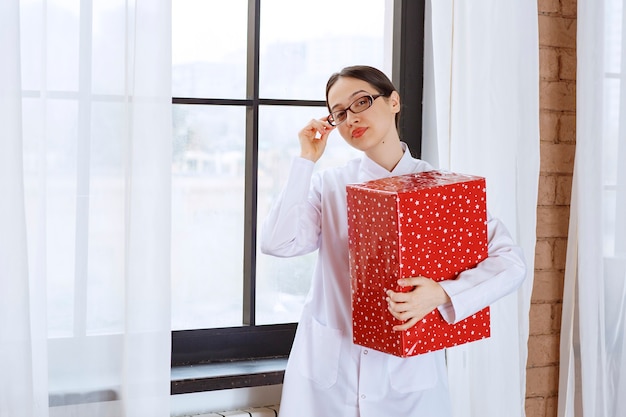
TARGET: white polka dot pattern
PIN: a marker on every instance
(431, 224)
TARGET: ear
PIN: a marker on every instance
(394, 101)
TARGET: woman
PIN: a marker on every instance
(328, 375)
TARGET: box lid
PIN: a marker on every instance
(416, 181)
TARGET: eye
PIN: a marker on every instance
(361, 104)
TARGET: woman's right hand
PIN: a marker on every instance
(313, 139)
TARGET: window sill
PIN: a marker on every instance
(186, 380)
(219, 376)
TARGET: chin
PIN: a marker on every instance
(358, 144)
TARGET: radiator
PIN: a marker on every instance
(269, 411)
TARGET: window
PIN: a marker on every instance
(247, 75)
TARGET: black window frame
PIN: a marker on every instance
(251, 341)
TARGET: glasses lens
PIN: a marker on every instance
(337, 117)
(361, 104)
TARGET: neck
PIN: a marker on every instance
(387, 153)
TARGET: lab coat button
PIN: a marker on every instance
(365, 352)
(362, 396)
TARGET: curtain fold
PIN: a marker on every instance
(85, 168)
(592, 377)
(482, 117)
(16, 379)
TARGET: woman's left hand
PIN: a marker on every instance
(412, 306)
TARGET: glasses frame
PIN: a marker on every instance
(370, 98)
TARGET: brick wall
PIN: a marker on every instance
(557, 61)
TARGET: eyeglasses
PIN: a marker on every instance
(357, 106)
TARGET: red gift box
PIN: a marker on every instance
(431, 224)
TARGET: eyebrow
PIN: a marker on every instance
(350, 97)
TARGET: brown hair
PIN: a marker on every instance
(371, 75)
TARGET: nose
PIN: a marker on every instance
(352, 118)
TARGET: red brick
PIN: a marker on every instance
(559, 253)
(563, 190)
(541, 319)
(557, 312)
(567, 127)
(543, 350)
(569, 8)
(547, 190)
(557, 158)
(552, 221)
(535, 407)
(543, 254)
(552, 404)
(557, 31)
(557, 95)
(549, 67)
(549, 125)
(547, 287)
(567, 64)
(549, 6)
(542, 381)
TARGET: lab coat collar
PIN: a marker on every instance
(371, 170)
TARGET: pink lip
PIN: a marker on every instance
(358, 132)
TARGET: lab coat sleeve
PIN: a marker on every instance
(293, 224)
(501, 273)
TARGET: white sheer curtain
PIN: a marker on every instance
(482, 117)
(592, 380)
(85, 163)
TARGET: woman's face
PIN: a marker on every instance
(368, 128)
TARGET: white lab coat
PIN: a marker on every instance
(327, 375)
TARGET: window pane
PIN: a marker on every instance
(207, 216)
(62, 52)
(282, 283)
(610, 134)
(32, 31)
(107, 213)
(302, 43)
(208, 181)
(613, 35)
(57, 160)
(78, 212)
(108, 49)
(209, 48)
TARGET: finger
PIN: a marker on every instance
(320, 125)
(398, 315)
(312, 126)
(322, 133)
(396, 308)
(312, 132)
(411, 281)
(325, 130)
(398, 297)
(406, 325)
(326, 122)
